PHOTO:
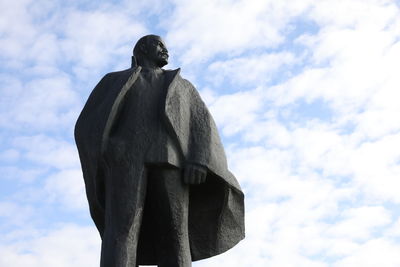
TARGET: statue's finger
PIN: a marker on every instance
(186, 175)
(191, 176)
(198, 177)
(203, 177)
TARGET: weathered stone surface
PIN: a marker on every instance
(155, 171)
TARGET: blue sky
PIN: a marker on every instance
(305, 94)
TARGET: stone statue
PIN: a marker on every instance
(155, 171)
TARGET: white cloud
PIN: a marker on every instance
(14, 215)
(20, 175)
(48, 151)
(357, 59)
(68, 245)
(376, 166)
(299, 220)
(394, 230)
(56, 35)
(202, 29)
(236, 111)
(9, 155)
(256, 69)
(319, 191)
(94, 39)
(360, 223)
(376, 252)
(47, 103)
(269, 132)
(16, 33)
(67, 188)
(356, 13)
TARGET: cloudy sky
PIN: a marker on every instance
(305, 94)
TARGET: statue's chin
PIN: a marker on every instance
(162, 63)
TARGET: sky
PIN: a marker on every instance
(305, 95)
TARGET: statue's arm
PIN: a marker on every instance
(194, 170)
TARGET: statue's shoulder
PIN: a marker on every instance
(119, 74)
(175, 75)
(109, 84)
(171, 74)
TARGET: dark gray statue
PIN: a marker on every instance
(155, 171)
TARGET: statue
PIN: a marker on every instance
(155, 171)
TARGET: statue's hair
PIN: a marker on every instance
(138, 49)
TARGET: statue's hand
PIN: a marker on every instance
(194, 174)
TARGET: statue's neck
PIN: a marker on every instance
(150, 65)
(152, 70)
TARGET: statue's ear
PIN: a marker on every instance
(143, 48)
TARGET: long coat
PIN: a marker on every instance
(216, 208)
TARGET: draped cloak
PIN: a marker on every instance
(216, 208)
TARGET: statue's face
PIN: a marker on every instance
(157, 51)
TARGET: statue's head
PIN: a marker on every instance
(151, 49)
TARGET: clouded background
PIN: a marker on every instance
(305, 94)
